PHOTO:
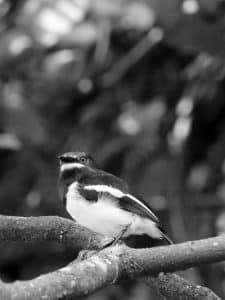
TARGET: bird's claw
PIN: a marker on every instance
(84, 254)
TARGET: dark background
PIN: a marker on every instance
(138, 84)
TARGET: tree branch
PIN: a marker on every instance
(49, 228)
(174, 287)
(108, 266)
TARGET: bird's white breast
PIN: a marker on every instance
(105, 217)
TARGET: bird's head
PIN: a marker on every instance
(73, 166)
(76, 159)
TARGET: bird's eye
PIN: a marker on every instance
(83, 160)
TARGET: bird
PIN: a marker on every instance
(102, 202)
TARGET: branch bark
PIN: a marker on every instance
(174, 287)
(49, 228)
(108, 266)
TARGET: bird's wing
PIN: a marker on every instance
(125, 200)
(134, 205)
(106, 183)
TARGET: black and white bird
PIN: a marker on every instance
(102, 202)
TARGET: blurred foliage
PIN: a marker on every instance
(139, 85)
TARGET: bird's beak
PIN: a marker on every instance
(60, 158)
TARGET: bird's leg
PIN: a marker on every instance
(118, 237)
(84, 254)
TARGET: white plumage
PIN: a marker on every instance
(117, 194)
(105, 216)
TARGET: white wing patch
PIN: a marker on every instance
(105, 189)
(118, 194)
(143, 205)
